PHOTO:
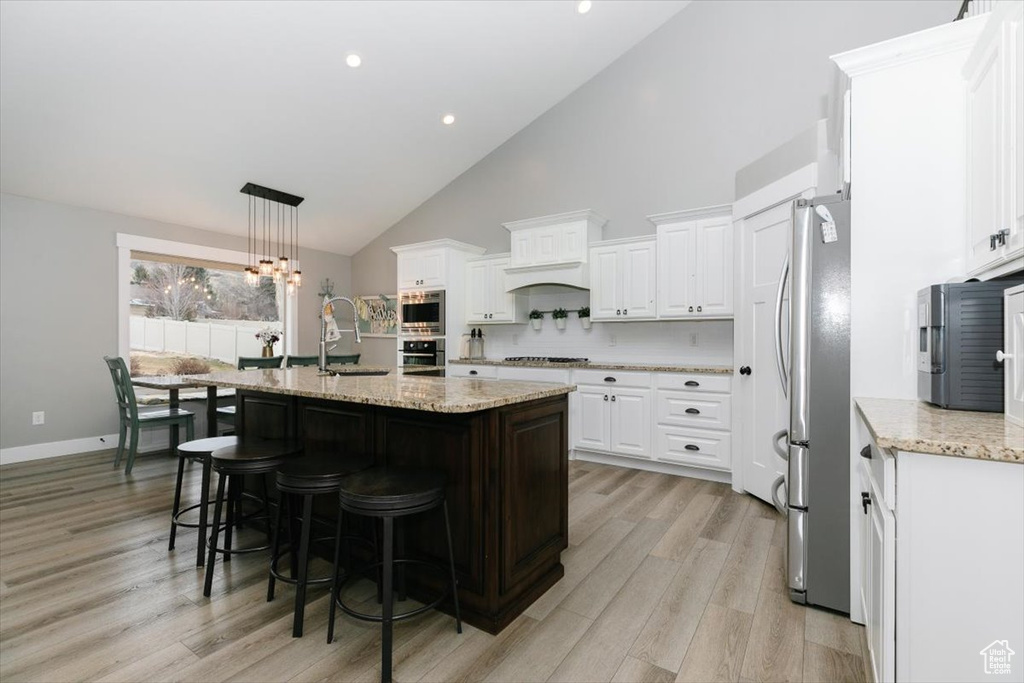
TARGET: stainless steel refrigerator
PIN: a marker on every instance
(818, 478)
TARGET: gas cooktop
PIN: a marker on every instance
(545, 359)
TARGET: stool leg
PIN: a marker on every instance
(177, 502)
(294, 531)
(387, 608)
(230, 522)
(300, 579)
(451, 563)
(211, 559)
(334, 581)
(204, 503)
(400, 554)
(275, 547)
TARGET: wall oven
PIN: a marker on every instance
(423, 352)
(422, 313)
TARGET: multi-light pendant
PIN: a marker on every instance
(273, 226)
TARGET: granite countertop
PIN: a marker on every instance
(597, 365)
(396, 390)
(918, 427)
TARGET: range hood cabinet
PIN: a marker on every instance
(553, 250)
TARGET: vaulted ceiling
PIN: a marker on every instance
(165, 109)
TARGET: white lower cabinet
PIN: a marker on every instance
(942, 555)
(615, 415)
(694, 415)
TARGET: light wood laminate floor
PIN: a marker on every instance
(666, 578)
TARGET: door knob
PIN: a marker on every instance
(1000, 356)
(745, 370)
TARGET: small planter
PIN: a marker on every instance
(585, 322)
(560, 323)
(536, 323)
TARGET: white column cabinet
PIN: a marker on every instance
(623, 280)
(695, 263)
(995, 158)
(487, 302)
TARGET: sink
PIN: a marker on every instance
(357, 373)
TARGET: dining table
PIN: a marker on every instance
(174, 383)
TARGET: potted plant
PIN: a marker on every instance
(536, 318)
(584, 314)
(268, 338)
(559, 315)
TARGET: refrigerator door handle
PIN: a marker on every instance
(780, 450)
(780, 360)
(779, 504)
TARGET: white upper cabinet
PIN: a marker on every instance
(422, 269)
(486, 298)
(995, 158)
(623, 282)
(552, 249)
(695, 263)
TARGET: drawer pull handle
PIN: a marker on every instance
(691, 447)
(610, 379)
(692, 383)
(866, 452)
(693, 411)
(472, 372)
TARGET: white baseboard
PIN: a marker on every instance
(652, 466)
(89, 444)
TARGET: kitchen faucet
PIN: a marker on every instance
(322, 356)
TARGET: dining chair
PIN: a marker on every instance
(226, 414)
(349, 359)
(332, 359)
(300, 361)
(131, 418)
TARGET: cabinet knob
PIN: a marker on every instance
(606, 397)
(618, 311)
(692, 411)
(613, 399)
(699, 309)
(866, 452)
(691, 447)
(745, 370)
(473, 372)
(691, 309)
(625, 311)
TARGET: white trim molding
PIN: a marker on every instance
(591, 217)
(783, 190)
(690, 214)
(440, 244)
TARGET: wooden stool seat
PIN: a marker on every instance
(318, 472)
(198, 450)
(396, 491)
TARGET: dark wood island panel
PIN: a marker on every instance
(507, 486)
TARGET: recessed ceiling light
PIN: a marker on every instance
(448, 119)
(353, 60)
(583, 6)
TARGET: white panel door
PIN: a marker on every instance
(547, 245)
(432, 268)
(605, 284)
(984, 158)
(713, 275)
(478, 288)
(593, 429)
(522, 248)
(677, 254)
(764, 409)
(503, 304)
(639, 280)
(408, 271)
(631, 422)
(881, 615)
(574, 242)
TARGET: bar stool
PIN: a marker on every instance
(305, 478)
(388, 494)
(198, 450)
(246, 456)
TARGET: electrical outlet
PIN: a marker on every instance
(38, 417)
(693, 339)
(612, 341)
(515, 340)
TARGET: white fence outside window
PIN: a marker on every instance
(224, 340)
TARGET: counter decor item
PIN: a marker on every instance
(377, 315)
(584, 314)
(268, 338)
(559, 315)
(536, 319)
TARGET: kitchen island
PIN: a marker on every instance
(503, 445)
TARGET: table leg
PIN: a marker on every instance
(211, 411)
(175, 436)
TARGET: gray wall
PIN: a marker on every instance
(663, 128)
(58, 312)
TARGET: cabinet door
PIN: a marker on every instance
(881, 613)
(864, 526)
(605, 283)
(478, 291)
(592, 432)
(503, 304)
(408, 271)
(631, 422)
(1015, 81)
(432, 268)
(574, 242)
(547, 245)
(677, 245)
(984, 162)
(522, 248)
(639, 280)
(713, 273)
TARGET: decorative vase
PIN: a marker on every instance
(268, 352)
(585, 322)
(536, 322)
(560, 323)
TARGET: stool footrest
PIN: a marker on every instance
(402, 615)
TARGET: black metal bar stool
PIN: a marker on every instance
(305, 478)
(232, 463)
(388, 494)
(198, 450)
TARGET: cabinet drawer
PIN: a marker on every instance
(473, 371)
(693, 382)
(695, 447)
(693, 409)
(613, 378)
(534, 374)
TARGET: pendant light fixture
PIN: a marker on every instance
(273, 228)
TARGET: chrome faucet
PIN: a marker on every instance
(322, 356)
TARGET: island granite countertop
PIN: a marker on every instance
(598, 365)
(396, 390)
(917, 427)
